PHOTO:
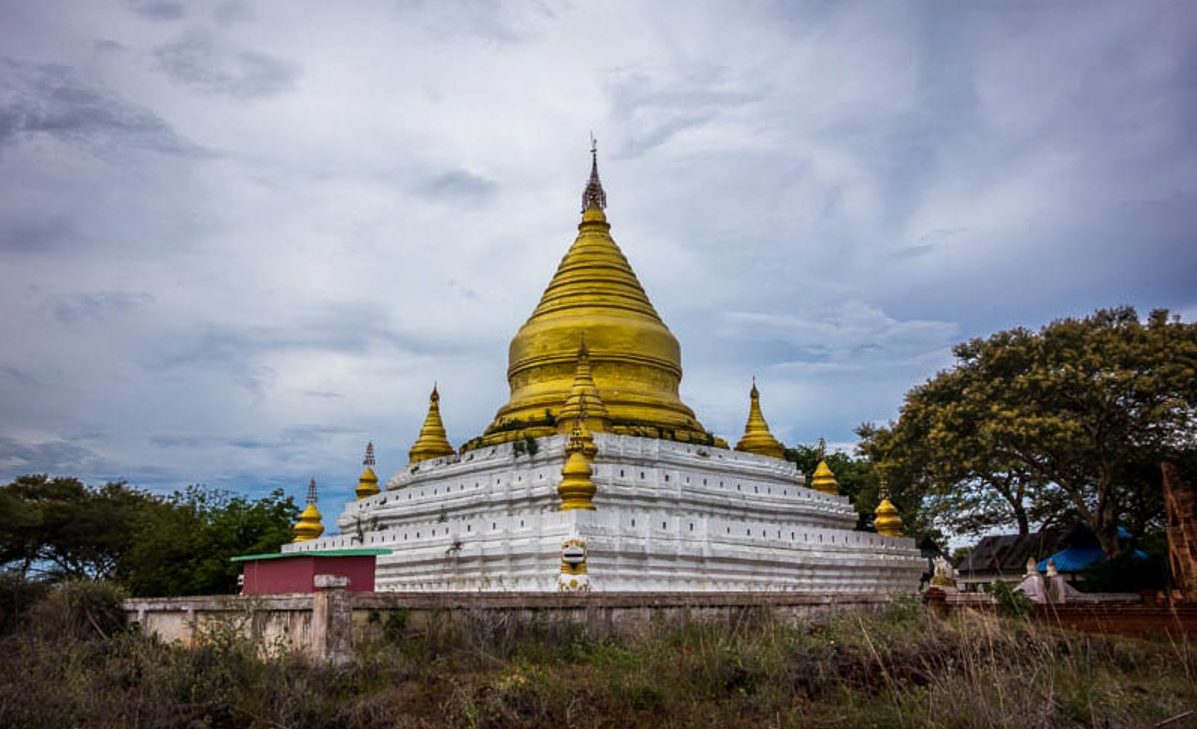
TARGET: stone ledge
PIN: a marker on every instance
(543, 600)
(507, 600)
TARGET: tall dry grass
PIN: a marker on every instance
(898, 669)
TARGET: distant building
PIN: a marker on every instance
(1080, 551)
(1003, 558)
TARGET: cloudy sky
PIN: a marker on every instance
(238, 240)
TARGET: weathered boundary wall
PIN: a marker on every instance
(326, 624)
(1143, 620)
(1120, 613)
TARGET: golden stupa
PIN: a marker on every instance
(311, 522)
(824, 480)
(634, 359)
(757, 438)
(577, 487)
(886, 521)
(584, 400)
(432, 441)
(367, 483)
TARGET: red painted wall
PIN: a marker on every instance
(298, 573)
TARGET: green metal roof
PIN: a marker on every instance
(321, 553)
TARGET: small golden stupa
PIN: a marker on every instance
(584, 397)
(576, 488)
(635, 360)
(367, 483)
(886, 521)
(309, 525)
(432, 441)
(823, 479)
(757, 438)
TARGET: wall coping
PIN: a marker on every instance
(508, 600)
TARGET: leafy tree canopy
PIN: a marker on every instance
(1028, 426)
(58, 528)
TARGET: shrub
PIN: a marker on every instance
(82, 609)
(1010, 602)
(17, 595)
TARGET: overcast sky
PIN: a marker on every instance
(238, 240)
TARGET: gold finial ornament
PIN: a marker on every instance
(594, 196)
(576, 488)
(432, 443)
(367, 483)
(309, 525)
(584, 398)
(757, 438)
(886, 521)
(635, 360)
(823, 478)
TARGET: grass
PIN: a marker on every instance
(67, 666)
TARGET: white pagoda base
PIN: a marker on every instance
(669, 517)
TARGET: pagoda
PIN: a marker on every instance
(595, 476)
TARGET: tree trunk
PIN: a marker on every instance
(1106, 529)
(1024, 526)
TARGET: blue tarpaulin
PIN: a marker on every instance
(1084, 551)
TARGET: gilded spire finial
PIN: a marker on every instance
(757, 438)
(594, 196)
(432, 441)
(367, 483)
(309, 525)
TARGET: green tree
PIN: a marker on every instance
(854, 475)
(1067, 419)
(940, 451)
(858, 480)
(58, 528)
(186, 547)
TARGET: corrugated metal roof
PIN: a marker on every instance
(1004, 552)
(322, 553)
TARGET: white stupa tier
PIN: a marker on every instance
(668, 516)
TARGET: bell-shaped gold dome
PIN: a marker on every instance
(757, 438)
(634, 359)
(432, 441)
